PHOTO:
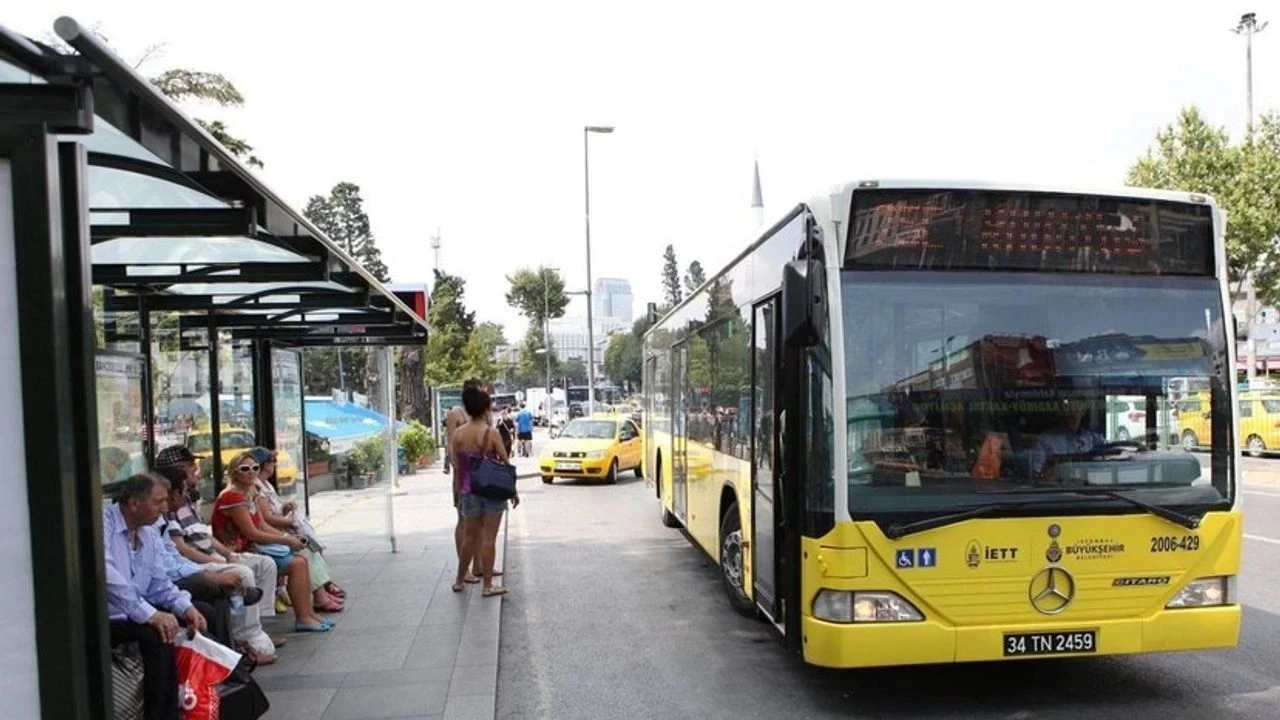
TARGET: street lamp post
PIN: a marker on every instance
(546, 333)
(1249, 26)
(586, 197)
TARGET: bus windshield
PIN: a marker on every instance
(966, 388)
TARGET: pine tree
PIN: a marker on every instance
(694, 277)
(450, 326)
(671, 290)
(341, 216)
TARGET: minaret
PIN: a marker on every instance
(757, 197)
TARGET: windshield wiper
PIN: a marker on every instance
(900, 530)
(1187, 521)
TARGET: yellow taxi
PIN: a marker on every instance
(1259, 421)
(598, 447)
(236, 440)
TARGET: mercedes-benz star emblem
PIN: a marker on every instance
(1052, 590)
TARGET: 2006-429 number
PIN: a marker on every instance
(1171, 543)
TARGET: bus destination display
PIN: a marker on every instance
(1029, 231)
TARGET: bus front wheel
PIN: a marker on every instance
(731, 562)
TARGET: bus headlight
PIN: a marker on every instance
(1205, 592)
(843, 606)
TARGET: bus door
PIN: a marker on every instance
(679, 431)
(764, 475)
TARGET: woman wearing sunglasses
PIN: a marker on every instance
(238, 524)
(326, 595)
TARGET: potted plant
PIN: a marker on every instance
(416, 443)
(365, 460)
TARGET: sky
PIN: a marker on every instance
(468, 117)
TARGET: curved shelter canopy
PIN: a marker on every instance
(176, 219)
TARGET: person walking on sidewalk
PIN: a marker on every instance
(481, 516)
(524, 431)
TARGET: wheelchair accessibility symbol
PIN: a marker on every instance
(906, 558)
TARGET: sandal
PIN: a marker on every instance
(457, 587)
(471, 580)
(332, 588)
(493, 591)
(322, 627)
(332, 607)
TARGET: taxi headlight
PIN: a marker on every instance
(843, 606)
(595, 454)
(1205, 592)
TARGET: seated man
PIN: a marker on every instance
(1068, 437)
(141, 600)
(210, 590)
(193, 541)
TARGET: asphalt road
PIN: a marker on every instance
(613, 616)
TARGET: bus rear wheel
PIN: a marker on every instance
(731, 565)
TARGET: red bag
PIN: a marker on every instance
(202, 665)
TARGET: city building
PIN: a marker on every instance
(569, 337)
(611, 297)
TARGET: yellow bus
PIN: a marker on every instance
(887, 422)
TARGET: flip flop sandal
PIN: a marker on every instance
(471, 580)
(458, 587)
(322, 627)
(495, 591)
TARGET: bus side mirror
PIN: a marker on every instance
(803, 294)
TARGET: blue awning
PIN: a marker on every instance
(342, 424)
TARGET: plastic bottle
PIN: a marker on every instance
(237, 605)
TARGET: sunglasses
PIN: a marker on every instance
(248, 468)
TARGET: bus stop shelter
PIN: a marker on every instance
(160, 293)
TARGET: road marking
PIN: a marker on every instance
(1262, 538)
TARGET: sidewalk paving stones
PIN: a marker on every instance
(398, 649)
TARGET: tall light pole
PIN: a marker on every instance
(586, 197)
(435, 247)
(1249, 27)
(546, 334)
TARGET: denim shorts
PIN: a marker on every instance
(476, 505)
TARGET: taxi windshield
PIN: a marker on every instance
(591, 429)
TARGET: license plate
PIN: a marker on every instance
(568, 466)
(1050, 643)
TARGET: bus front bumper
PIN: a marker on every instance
(836, 645)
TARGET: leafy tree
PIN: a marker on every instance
(1192, 155)
(694, 277)
(622, 360)
(411, 388)
(450, 327)
(491, 335)
(537, 294)
(531, 366)
(671, 291)
(477, 358)
(575, 371)
(180, 85)
(341, 216)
